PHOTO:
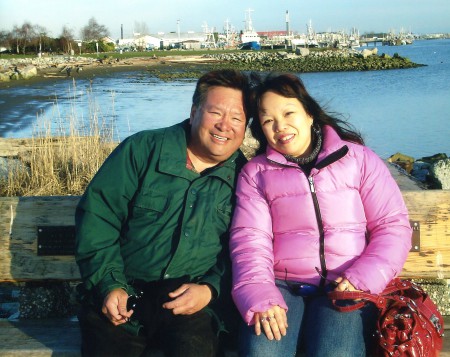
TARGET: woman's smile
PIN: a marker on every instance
(285, 139)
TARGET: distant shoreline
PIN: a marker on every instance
(168, 67)
(90, 70)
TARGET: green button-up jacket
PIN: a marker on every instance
(146, 216)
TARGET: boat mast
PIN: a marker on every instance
(248, 21)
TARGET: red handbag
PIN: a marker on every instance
(409, 323)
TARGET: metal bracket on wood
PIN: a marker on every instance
(55, 240)
(415, 239)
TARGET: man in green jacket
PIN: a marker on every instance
(152, 230)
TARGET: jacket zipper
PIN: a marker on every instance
(323, 266)
(333, 157)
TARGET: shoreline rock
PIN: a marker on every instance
(433, 172)
(66, 66)
(314, 61)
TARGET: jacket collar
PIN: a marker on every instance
(172, 159)
(333, 148)
(331, 143)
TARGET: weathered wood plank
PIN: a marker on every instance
(432, 209)
(61, 337)
(20, 216)
(44, 337)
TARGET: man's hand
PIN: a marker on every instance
(188, 299)
(115, 307)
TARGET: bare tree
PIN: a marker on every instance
(41, 36)
(93, 31)
(22, 36)
(67, 37)
(141, 28)
(5, 39)
(15, 37)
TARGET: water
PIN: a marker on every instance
(403, 111)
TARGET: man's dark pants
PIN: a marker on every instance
(184, 335)
(176, 335)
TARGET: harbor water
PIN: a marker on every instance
(405, 111)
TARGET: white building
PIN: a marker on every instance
(187, 40)
(139, 42)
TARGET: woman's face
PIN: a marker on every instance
(286, 125)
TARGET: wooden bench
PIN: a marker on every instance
(36, 245)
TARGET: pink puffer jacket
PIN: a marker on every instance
(279, 213)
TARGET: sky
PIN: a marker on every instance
(417, 16)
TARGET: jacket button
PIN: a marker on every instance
(186, 233)
(166, 276)
(194, 191)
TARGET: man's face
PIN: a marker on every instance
(218, 125)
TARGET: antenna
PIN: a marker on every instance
(288, 32)
(248, 20)
(209, 36)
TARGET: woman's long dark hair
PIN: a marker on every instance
(291, 86)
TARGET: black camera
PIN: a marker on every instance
(133, 301)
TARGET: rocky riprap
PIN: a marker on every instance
(314, 61)
(25, 68)
(439, 292)
(37, 300)
(432, 171)
(301, 61)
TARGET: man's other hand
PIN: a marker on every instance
(189, 299)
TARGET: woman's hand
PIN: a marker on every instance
(344, 285)
(272, 322)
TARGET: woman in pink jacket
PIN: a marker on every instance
(316, 210)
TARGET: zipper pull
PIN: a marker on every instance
(311, 184)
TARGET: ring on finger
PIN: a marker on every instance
(264, 319)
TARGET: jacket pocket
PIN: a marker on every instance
(223, 212)
(150, 204)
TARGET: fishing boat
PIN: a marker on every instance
(353, 40)
(249, 37)
(311, 38)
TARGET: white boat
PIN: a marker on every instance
(249, 34)
(353, 40)
(298, 42)
(311, 40)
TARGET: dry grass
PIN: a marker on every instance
(67, 150)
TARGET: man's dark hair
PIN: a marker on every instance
(228, 78)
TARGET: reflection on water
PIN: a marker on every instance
(397, 110)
